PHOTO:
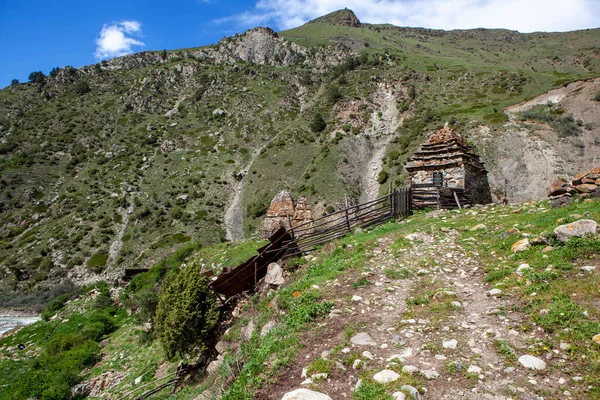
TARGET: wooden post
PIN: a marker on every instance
(347, 220)
(456, 198)
(291, 227)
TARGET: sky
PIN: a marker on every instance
(39, 35)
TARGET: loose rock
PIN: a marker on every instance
(386, 376)
(521, 245)
(363, 339)
(532, 362)
(575, 229)
(305, 394)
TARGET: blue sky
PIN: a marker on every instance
(39, 35)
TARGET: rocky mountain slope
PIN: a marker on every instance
(117, 164)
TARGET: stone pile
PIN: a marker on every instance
(585, 185)
(286, 212)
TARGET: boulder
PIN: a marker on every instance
(577, 180)
(520, 245)
(532, 362)
(586, 188)
(561, 201)
(305, 394)
(578, 228)
(363, 339)
(557, 188)
(274, 275)
(267, 328)
(386, 376)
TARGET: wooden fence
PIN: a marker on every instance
(306, 237)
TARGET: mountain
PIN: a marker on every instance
(115, 165)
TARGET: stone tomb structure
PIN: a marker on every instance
(285, 210)
(445, 169)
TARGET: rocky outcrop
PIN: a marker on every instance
(260, 46)
(343, 17)
(584, 185)
(286, 212)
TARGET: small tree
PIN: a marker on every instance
(14, 82)
(37, 77)
(82, 87)
(318, 123)
(54, 72)
(187, 313)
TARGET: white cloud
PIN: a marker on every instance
(115, 40)
(521, 15)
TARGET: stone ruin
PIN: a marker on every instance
(585, 185)
(455, 165)
(285, 210)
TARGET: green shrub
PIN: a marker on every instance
(257, 209)
(187, 313)
(382, 177)
(54, 306)
(318, 123)
(52, 375)
(597, 96)
(332, 94)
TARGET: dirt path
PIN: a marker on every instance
(385, 120)
(427, 309)
(234, 215)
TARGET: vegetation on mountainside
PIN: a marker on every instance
(187, 313)
(564, 125)
(57, 350)
(145, 153)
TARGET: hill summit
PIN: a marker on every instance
(343, 17)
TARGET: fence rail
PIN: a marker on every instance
(308, 236)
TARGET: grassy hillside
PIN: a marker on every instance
(118, 164)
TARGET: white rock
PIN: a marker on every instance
(357, 363)
(305, 394)
(450, 344)
(386, 376)
(588, 268)
(319, 376)
(368, 355)
(474, 369)
(267, 328)
(363, 339)
(274, 275)
(430, 374)
(356, 298)
(410, 369)
(532, 362)
(248, 330)
(399, 396)
(303, 374)
(521, 268)
(358, 384)
(495, 292)
(412, 391)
